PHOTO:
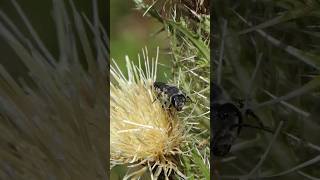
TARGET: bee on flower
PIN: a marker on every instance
(142, 133)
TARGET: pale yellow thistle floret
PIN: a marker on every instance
(141, 131)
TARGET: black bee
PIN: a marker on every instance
(227, 122)
(225, 117)
(172, 96)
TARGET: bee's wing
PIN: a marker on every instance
(173, 90)
(159, 84)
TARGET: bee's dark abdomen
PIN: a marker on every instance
(171, 90)
(167, 89)
(160, 85)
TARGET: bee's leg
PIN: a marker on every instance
(170, 113)
(189, 99)
(169, 109)
(154, 100)
(251, 126)
(249, 112)
(158, 96)
(165, 106)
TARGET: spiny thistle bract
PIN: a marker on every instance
(53, 122)
(142, 132)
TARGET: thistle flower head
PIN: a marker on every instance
(142, 132)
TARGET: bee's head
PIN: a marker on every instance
(178, 101)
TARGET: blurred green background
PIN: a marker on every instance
(130, 32)
(40, 16)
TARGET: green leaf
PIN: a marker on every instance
(201, 164)
(195, 40)
(187, 165)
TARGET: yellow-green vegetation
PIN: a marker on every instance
(187, 26)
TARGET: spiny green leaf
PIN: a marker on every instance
(195, 39)
(200, 164)
(188, 170)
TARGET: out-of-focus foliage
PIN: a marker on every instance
(40, 15)
(267, 53)
(55, 125)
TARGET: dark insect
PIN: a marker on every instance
(227, 122)
(170, 95)
(226, 118)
